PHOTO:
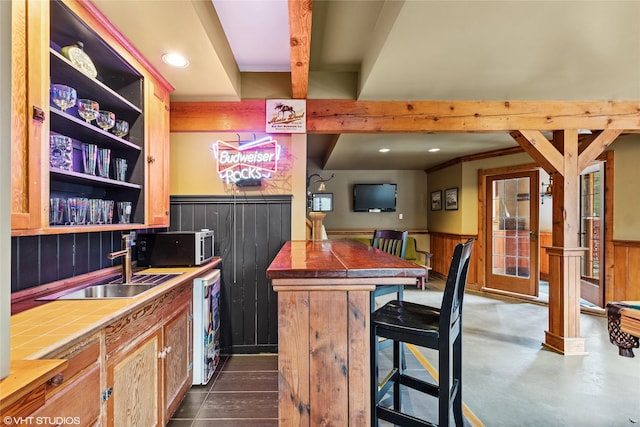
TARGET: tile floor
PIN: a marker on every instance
(509, 379)
(242, 392)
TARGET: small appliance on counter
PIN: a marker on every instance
(206, 326)
(174, 248)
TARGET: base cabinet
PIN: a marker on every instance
(148, 364)
(74, 396)
(78, 404)
(133, 376)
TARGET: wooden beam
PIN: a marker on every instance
(244, 116)
(350, 116)
(300, 39)
(540, 149)
(592, 150)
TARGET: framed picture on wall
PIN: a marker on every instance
(451, 199)
(436, 200)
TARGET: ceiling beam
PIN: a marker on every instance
(350, 116)
(300, 40)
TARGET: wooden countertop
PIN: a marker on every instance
(332, 259)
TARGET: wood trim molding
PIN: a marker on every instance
(479, 156)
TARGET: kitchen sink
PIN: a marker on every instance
(109, 291)
(113, 288)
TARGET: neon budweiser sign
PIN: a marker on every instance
(255, 160)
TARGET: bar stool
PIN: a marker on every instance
(424, 326)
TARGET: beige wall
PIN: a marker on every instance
(193, 170)
(411, 199)
(626, 199)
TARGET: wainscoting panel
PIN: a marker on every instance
(442, 246)
(626, 271)
(248, 233)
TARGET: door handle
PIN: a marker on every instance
(533, 236)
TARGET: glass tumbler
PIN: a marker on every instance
(89, 158)
(124, 212)
(104, 159)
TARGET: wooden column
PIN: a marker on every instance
(316, 220)
(564, 256)
(563, 335)
(561, 157)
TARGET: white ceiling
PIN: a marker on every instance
(396, 50)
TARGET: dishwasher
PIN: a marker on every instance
(206, 326)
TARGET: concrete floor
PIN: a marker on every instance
(509, 379)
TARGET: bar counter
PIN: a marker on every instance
(323, 327)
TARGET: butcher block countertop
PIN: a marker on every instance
(39, 332)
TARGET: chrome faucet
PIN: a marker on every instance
(126, 261)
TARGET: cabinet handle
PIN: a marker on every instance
(168, 349)
(162, 354)
(38, 114)
(151, 159)
(57, 380)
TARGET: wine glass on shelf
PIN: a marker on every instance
(88, 109)
(106, 119)
(63, 96)
(121, 128)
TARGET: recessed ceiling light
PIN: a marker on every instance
(434, 150)
(175, 60)
(384, 150)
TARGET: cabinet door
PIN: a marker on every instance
(133, 375)
(177, 368)
(78, 403)
(29, 90)
(158, 155)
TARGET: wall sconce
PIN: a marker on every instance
(546, 192)
(316, 201)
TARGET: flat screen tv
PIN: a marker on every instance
(374, 197)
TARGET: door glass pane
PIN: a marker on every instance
(590, 224)
(511, 227)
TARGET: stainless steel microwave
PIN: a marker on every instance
(174, 248)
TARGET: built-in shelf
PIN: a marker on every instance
(83, 178)
(62, 70)
(118, 88)
(77, 128)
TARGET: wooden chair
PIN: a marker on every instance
(430, 327)
(395, 243)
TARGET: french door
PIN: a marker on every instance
(591, 234)
(512, 230)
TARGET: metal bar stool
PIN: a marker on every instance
(424, 326)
